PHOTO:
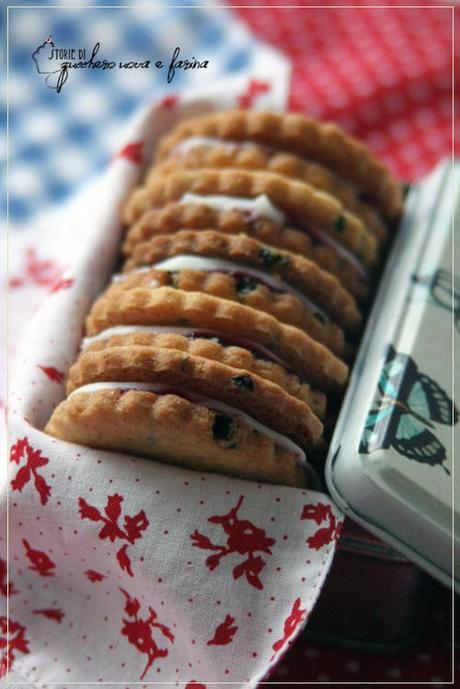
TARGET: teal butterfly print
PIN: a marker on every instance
(406, 408)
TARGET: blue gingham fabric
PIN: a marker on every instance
(59, 140)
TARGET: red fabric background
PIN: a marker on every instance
(385, 75)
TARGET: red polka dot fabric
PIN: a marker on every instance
(384, 74)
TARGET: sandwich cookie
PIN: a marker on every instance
(322, 142)
(260, 398)
(206, 152)
(295, 203)
(199, 342)
(143, 419)
(309, 359)
(257, 222)
(229, 280)
(320, 291)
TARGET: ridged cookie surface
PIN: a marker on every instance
(180, 216)
(167, 306)
(256, 396)
(302, 203)
(305, 275)
(145, 424)
(286, 307)
(214, 349)
(323, 142)
(254, 157)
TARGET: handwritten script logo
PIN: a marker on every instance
(56, 63)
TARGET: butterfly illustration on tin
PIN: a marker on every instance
(406, 408)
(443, 291)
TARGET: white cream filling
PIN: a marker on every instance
(262, 207)
(128, 329)
(192, 142)
(259, 206)
(191, 262)
(214, 405)
(119, 277)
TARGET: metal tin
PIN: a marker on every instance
(390, 465)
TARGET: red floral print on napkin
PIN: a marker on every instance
(41, 562)
(6, 588)
(64, 283)
(243, 538)
(55, 614)
(41, 272)
(131, 530)
(12, 640)
(254, 89)
(34, 460)
(139, 631)
(52, 373)
(291, 623)
(132, 152)
(320, 513)
(224, 632)
(94, 576)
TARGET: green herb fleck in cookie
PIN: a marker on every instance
(340, 224)
(222, 428)
(245, 285)
(270, 259)
(243, 382)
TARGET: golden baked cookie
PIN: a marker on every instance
(321, 142)
(260, 398)
(209, 153)
(324, 294)
(144, 423)
(207, 345)
(241, 287)
(178, 216)
(298, 202)
(168, 306)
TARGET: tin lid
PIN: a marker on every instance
(390, 465)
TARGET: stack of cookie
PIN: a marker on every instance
(250, 254)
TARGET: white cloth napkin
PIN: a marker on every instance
(123, 569)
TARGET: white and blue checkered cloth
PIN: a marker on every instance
(59, 140)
